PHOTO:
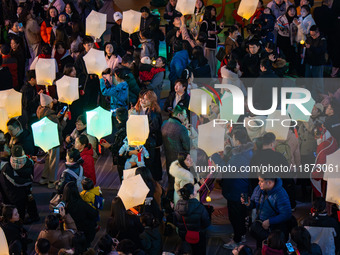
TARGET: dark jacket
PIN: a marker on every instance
(13, 232)
(263, 87)
(251, 65)
(184, 102)
(85, 217)
(155, 124)
(132, 230)
(276, 207)
(316, 54)
(208, 26)
(332, 123)
(6, 78)
(200, 71)
(133, 88)
(233, 188)
(66, 177)
(195, 215)
(121, 38)
(30, 99)
(175, 139)
(170, 9)
(25, 139)
(19, 177)
(315, 250)
(323, 19)
(151, 240)
(178, 63)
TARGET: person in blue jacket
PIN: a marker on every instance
(118, 93)
(233, 188)
(178, 63)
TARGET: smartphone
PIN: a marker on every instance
(20, 25)
(290, 247)
(63, 110)
(56, 210)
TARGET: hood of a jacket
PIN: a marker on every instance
(177, 171)
(187, 207)
(88, 151)
(270, 251)
(278, 185)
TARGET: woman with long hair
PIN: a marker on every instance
(18, 52)
(72, 12)
(84, 215)
(86, 152)
(122, 225)
(209, 26)
(147, 105)
(199, 63)
(48, 24)
(111, 56)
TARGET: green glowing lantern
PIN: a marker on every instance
(99, 122)
(45, 134)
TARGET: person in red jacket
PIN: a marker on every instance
(11, 63)
(48, 24)
(86, 152)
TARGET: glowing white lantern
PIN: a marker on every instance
(295, 112)
(276, 127)
(45, 134)
(137, 129)
(67, 89)
(330, 168)
(99, 122)
(95, 62)
(210, 138)
(131, 21)
(333, 191)
(3, 243)
(3, 120)
(247, 8)
(45, 71)
(186, 7)
(128, 173)
(95, 24)
(226, 109)
(10, 99)
(199, 101)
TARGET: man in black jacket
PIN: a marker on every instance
(30, 98)
(20, 136)
(251, 62)
(118, 35)
(315, 59)
(178, 97)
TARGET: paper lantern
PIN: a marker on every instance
(3, 120)
(186, 7)
(3, 243)
(226, 109)
(210, 138)
(295, 112)
(45, 71)
(276, 126)
(10, 99)
(67, 89)
(330, 168)
(95, 24)
(133, 191)
(137, 129)
(131, 21)
(333, 191)
(45, 134)
(199, 101)
(95, 62)
(247, 8)
(128, 173)
(99, 122)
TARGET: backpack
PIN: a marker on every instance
(78, 178)
(98, 202)
(284, 149)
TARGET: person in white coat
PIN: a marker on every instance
(180, 170)
(304, 23)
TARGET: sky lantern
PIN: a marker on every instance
(276, 127)
(3, 119)
(127, 173)
(96, 24)
(45, 71)
(295, 112)
(137, 129)
(67, 89)
(45, 134)
(131, 21)
(95, 62)
(247, 8)
(10, 99)
(3, 243)
(199, 101)
(99, 122)
(332, 162)
(133, 191)
(210, 138)
(227, 108)
(333, 191)
(186, 7)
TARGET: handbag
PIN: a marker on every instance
(221, 54)
(55, 201)
(192, 237)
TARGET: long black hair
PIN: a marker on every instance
(181, 158)
(207, 14)
(187, 191)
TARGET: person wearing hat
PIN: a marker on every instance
(118, 35)
(52, 160)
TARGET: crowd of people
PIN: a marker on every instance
(282, 39)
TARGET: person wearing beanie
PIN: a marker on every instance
(52, 160)
(118, 35)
